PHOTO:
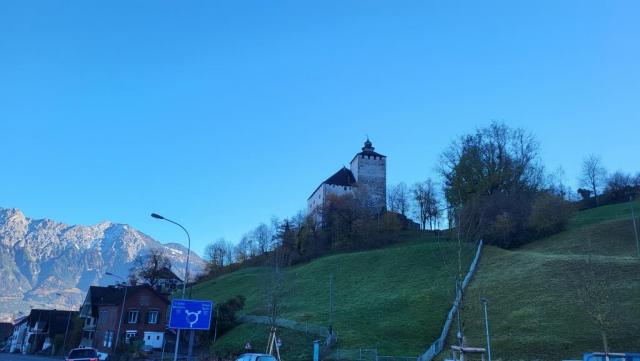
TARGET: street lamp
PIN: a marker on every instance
(186, 279)
(486, 325)
(124, 300)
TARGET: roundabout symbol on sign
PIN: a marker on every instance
(192, 317)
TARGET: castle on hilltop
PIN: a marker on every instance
(365, 179)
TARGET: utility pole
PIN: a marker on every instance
(124, 301)
(635, 227)
(215, 330)
(37, 331)
(331, 303)
(486, 325)
(66, 332)
(459, 335)
(192, 332)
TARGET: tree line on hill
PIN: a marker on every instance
(494, 187)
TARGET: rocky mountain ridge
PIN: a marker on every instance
(44, 263)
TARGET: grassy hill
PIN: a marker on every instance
(538, 308)
(393, 299)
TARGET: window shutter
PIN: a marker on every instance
(147, 318)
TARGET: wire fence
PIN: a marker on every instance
(438, 345)
(363, 354)
(290, 324)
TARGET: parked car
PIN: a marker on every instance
(82, 354)
(256, 357)
(611, 356)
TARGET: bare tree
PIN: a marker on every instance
(149, 267)
(593, 174)
(242, 250)
(426, 202)
(274, 279)
(636, 180)
(619, 186)
(398, 198)
(228, 253)
(263, 237)
(433, 210)
(593, 290)
(218, 254)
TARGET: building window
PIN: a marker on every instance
(102, 316)
(132, 316)
(108, 339)
(144, 300)
(152, 317)
(130, 335)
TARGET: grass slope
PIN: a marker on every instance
(295, 345)
(394, 299)
(536, 309)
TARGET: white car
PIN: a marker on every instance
(82, 354)
(256, 357)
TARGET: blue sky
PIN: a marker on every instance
(222, 114)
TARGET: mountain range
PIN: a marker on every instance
(48, 264)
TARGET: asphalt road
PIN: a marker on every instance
(19, 357)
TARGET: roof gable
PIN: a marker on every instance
(343, 177)
(110, 295)
(167, 274)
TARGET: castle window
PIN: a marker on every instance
(345, 188)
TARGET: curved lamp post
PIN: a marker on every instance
(186, 272)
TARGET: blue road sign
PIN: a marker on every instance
(190, 314)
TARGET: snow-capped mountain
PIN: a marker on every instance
(44, 263)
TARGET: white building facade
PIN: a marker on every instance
(366, 179)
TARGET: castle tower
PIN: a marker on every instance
(370, 171)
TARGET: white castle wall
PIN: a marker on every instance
(317, 199)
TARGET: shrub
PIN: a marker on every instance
(549, 214)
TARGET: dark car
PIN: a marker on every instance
(82, 354)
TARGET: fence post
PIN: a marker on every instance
(316, 350)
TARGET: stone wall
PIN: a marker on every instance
(371, 175)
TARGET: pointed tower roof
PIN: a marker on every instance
(369, 149)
